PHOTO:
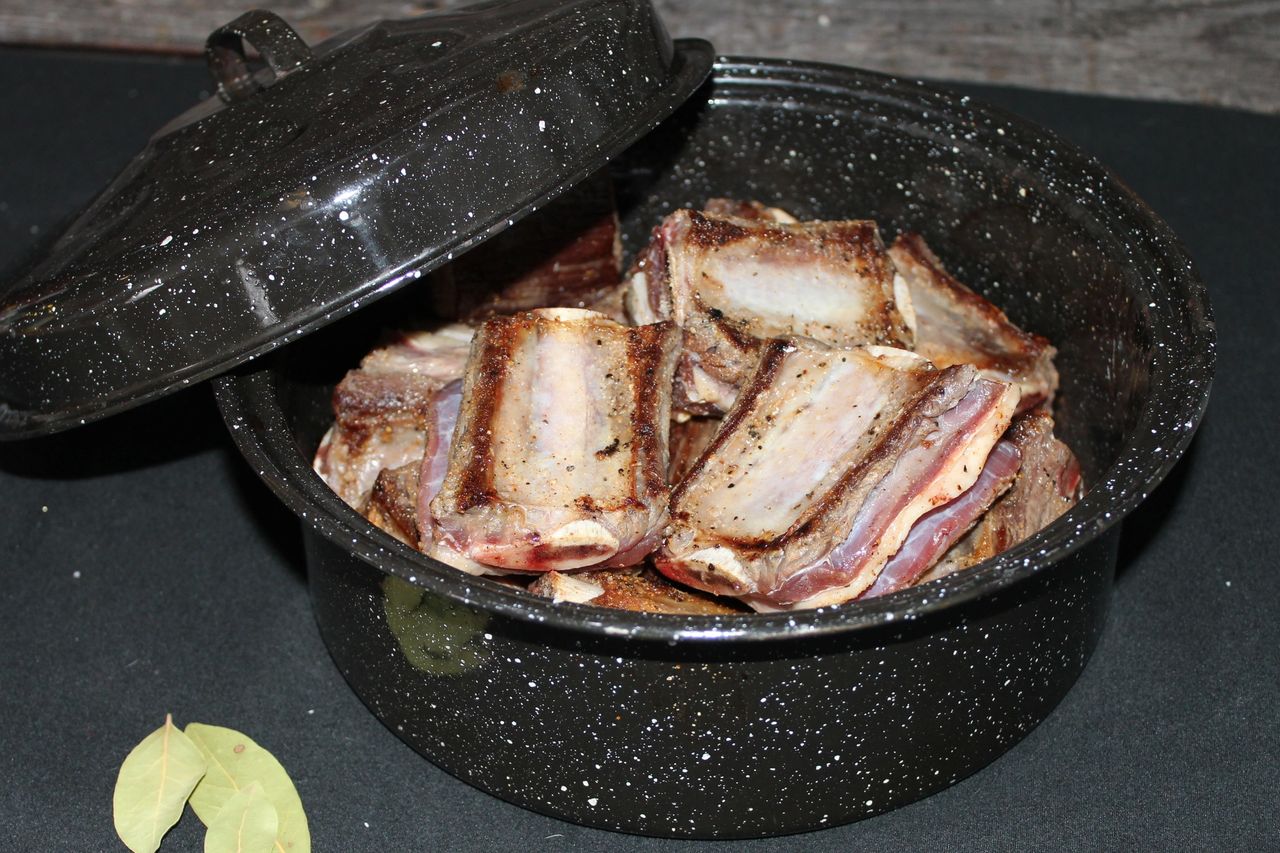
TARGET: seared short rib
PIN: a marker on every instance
(559, 457)
(826, 460)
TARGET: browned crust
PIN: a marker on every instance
(642, 590)
(713, 233)
(364, 403)
(649, 592)
(495, 343)
(772, 356)
(648, 356)
(944, 386)
(395, 499)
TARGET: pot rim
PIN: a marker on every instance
(1182, 357)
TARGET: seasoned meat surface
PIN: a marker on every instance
(822, 466)
(559, 457)
(1047, 485)
(381, 408)
(393, 503)
(954, 325)
(731, 283)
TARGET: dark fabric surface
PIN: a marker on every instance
(145, 568)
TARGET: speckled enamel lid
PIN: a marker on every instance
(317, 184)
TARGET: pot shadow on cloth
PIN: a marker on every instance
(180, 425)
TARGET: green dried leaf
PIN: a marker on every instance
(235, 762)
(154, 782)
(247, 823)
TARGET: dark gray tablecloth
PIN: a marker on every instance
(145, 569)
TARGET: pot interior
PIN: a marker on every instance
(1025, 219)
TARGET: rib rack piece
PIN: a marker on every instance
(731, 283)
(826, 460)
(954, 325)
(1047, 485)
(381, 409)
(559, 457)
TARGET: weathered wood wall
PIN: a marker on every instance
(1223, 52)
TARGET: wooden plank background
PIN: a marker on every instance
(1224, 52)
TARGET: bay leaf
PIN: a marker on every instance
(246, 823)
(235, 761)
(153, 785)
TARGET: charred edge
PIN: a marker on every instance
(588, 504)
(890, 444)
(713, 232)
(390, 399)
(1032, 346)
(729, 330)
(394, 494)
(869, 245)
(495, 342)
(773, 353)
(650, 361)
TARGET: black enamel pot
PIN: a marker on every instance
(745, 726)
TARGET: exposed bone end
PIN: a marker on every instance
(568, 315)
(581, 533)
(576, 545)
(899, 359)
(777, 214)
(561, 587)
(716, 568)
(458, 560)
(902, 298)
(636, 300)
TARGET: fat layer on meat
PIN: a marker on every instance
(954, 325)
(559, 457)
(730, 283)
(826, 460)
(381, 409)
(1048, 484)
(940, 528)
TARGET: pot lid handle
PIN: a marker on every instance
(283, 50)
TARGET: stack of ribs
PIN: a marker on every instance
(761, 414)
